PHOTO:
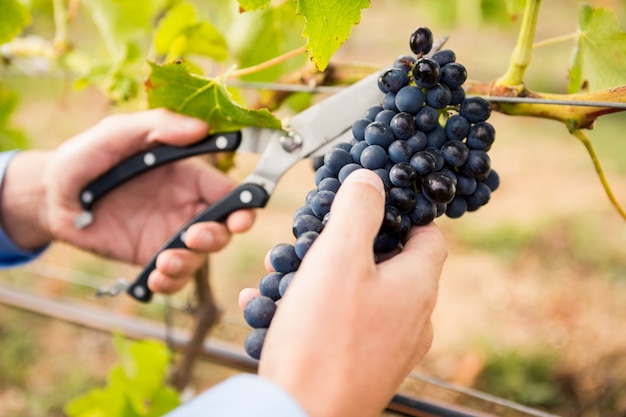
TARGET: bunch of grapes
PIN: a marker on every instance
(427, 142)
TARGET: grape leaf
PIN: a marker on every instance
(180, 32)
(278, 29)
(9, 138)
(247, 5)
(172, 86)
(328, 24)
(600, 53)
(15, 17)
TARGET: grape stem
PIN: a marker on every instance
(513, 78)
(556, 39)
(582, 136)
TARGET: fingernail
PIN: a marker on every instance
(192, 123)
(365, 176)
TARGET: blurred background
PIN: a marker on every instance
(532, 303)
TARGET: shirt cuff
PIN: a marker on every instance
(10, 254)
(242, 395)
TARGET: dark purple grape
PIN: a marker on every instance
(453, 75)
(400, 151)
(392, 80)
(409, 99)
(438, 96)
(404, 62)
(283, 258)
(402, 125)
(477, 165)
(373, 157)
(424, 211)
(444, 57)
(378, 133)
(306, 223)
(465, 185)
(402, 175)
(436, 137)
(426, 73)
(335, 159)
(457, 95)
(438, 188)
(253, 344)
(385, 242)
(475, 109)
(427, 119)
(329, 184)
(423, 163)
(322, 173)
(358, 128)
(284, 283)
(259, 312)
(347, 170)
(481, 136)
(421, 41)
(457, 127)
(385, 116)
(457, 207)
(493, 180)
(389, 102)
(402, 198)
(455, 153)
(392, 221)
(479, 197)
(321, 203)
(418, 141)
(357, 149)
(372, 111)
(438, 156)
(304, 242)
(268, 286)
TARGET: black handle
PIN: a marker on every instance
(152, 158)
(247, 195)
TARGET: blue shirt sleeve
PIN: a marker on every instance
(10, 254)
(242, 395)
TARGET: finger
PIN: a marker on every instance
(165, 284)
(206, 236)
(241, 221)
(356, 212)
(246, 295)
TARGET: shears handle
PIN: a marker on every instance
(247, 195)
(152, 158)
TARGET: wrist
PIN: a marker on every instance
(23, 209)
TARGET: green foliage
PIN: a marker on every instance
(135, 386)
(247, 5)
(320, 16)
(9, 138)
(15, 17)
(172, 86)
(600, 55)
(180, 33)
(18, 351)
(527, 378)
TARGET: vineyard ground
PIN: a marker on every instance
(536, 279)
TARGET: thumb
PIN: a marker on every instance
(357, 211)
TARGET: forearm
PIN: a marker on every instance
(23, 200)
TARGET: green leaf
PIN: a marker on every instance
(15, 17)
(172, 86)
(600, 54)
(247, 5)
(180, 33)
(9, 138)
(278, 29)
(328, 24)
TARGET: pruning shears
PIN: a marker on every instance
(307, 134)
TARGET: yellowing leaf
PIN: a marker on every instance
(172, 86)
(180, 32)
(328, 25)
(600, 55)
(14, 18)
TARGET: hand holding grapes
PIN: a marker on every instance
(41, 189)
(349, 330)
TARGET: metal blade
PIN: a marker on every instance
(314, 130)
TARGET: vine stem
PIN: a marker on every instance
(556, 39)
(60, 25)
(269, 63)
(520, 58)
(580, 135)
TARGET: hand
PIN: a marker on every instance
(134, 220)
(348, 330)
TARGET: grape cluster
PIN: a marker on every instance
(427, 142)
